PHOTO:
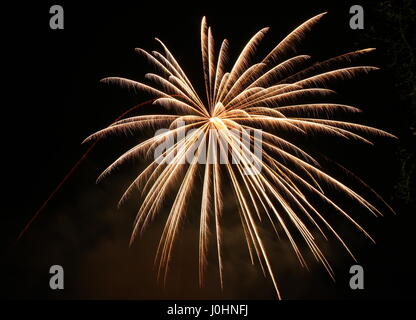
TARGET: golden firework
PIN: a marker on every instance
(250, 97)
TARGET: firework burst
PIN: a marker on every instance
(259, 97)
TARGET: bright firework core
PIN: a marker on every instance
(217, 122)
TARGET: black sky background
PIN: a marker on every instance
(53, 100)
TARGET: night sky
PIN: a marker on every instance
(52, 100)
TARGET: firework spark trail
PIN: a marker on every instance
(55, 191)
(260, 97)
(73, 169)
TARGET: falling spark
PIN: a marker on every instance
(256, 96)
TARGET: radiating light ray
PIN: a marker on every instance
(249, 95)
